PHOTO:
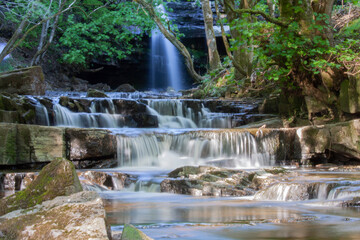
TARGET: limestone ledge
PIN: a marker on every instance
(26, 144)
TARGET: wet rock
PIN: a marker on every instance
(22, 144)
(207, 181)
(125, 88)
(132, 233)
(58, 178)
(111, 181)
(274, 122)
(96, 93)
(17, 109)
(78, 216)
(17, 181)
(24, 81)
(355, 202)
(75, 105)
(90, 144)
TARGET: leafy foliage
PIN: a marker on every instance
(110, 35)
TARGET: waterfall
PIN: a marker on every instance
(105, 118)
(2, 46)
(299, 191)
(175, 114)
(233, 149)
(165, 63)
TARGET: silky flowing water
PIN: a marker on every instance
(189, 133)
(172, 216)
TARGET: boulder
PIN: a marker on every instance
(22, 144)
(125, 88)
(317, 141)
(17, 109)
(132, 233)
(78, 216)
(355, 202)
(208, 181)
(111, 181)
(58, 178)
(96, 93)
(24, 81)
(90, 144)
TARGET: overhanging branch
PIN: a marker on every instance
(258, 12)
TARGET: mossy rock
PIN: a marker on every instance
(24, 81)
(58, 178)
(132, 233)
(96, 93)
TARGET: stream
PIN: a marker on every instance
(194, 132)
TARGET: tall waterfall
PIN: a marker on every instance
(165, 62)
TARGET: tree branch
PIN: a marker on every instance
(258, 12)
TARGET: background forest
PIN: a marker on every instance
(297, 48)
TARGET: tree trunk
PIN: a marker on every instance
(180, 47)
(242, 57)
(237, 66)
(323, 87)
(214, 58)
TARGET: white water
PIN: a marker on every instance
(165, 63)
(105, 119)
(2, 46)
(298, 191)
(174, 114)
(233, 149)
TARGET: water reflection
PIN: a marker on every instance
(164, 216)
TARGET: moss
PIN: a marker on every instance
(276, 170)
(132, 233)
(56, 179)
(210, 178)
(10, 146)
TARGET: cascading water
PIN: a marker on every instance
(165, 62)
(322, 190)
(99, 116)
(233, 149)
(174, 114)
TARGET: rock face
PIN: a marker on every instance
(78, 216)
(32, 144)
(25, 81)
(56, 179)
(208, 181)
(341, 138)
(22, 144)
(87, 144)
(132, 233)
